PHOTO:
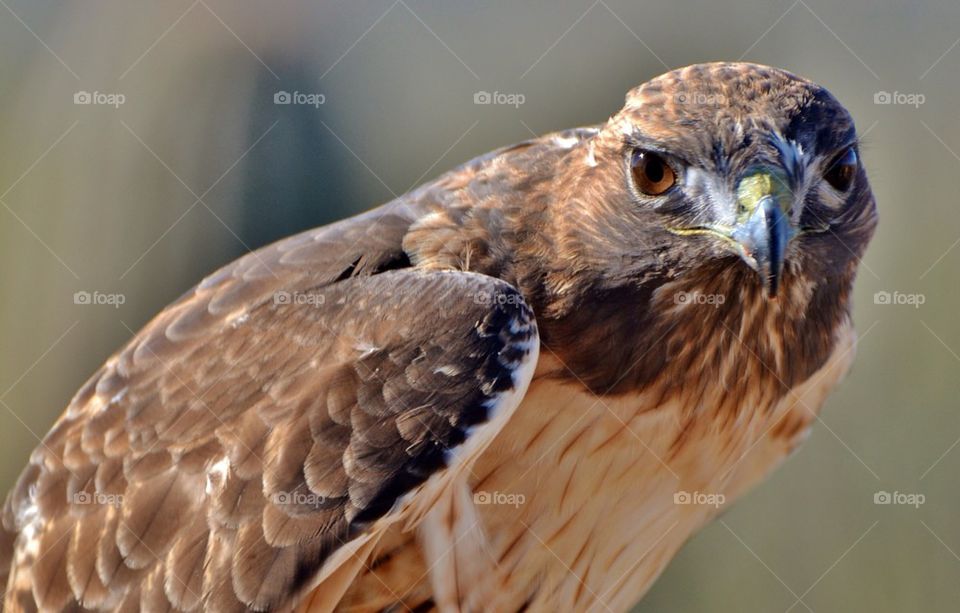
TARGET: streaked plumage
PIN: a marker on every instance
(324, 422)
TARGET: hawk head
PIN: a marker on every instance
(719, 191)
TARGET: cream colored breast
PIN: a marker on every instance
(580, 502)
(585, 500)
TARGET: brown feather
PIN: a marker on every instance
(183, 581)
(152, 513)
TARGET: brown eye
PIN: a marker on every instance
(842, 170)
(651, 173)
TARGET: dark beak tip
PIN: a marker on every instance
(777, 237)
(773, 290)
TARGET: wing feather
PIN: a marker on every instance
(259, 433)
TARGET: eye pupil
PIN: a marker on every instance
(655, 170)
(651, 173)
(842, 170)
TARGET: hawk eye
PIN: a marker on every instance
(842, 170)
(651, 173)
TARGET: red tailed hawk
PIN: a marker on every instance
(521, 386)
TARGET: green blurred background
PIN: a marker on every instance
(199, 164)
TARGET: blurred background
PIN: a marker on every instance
(142, 145)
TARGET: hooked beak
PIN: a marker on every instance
(763, 228)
